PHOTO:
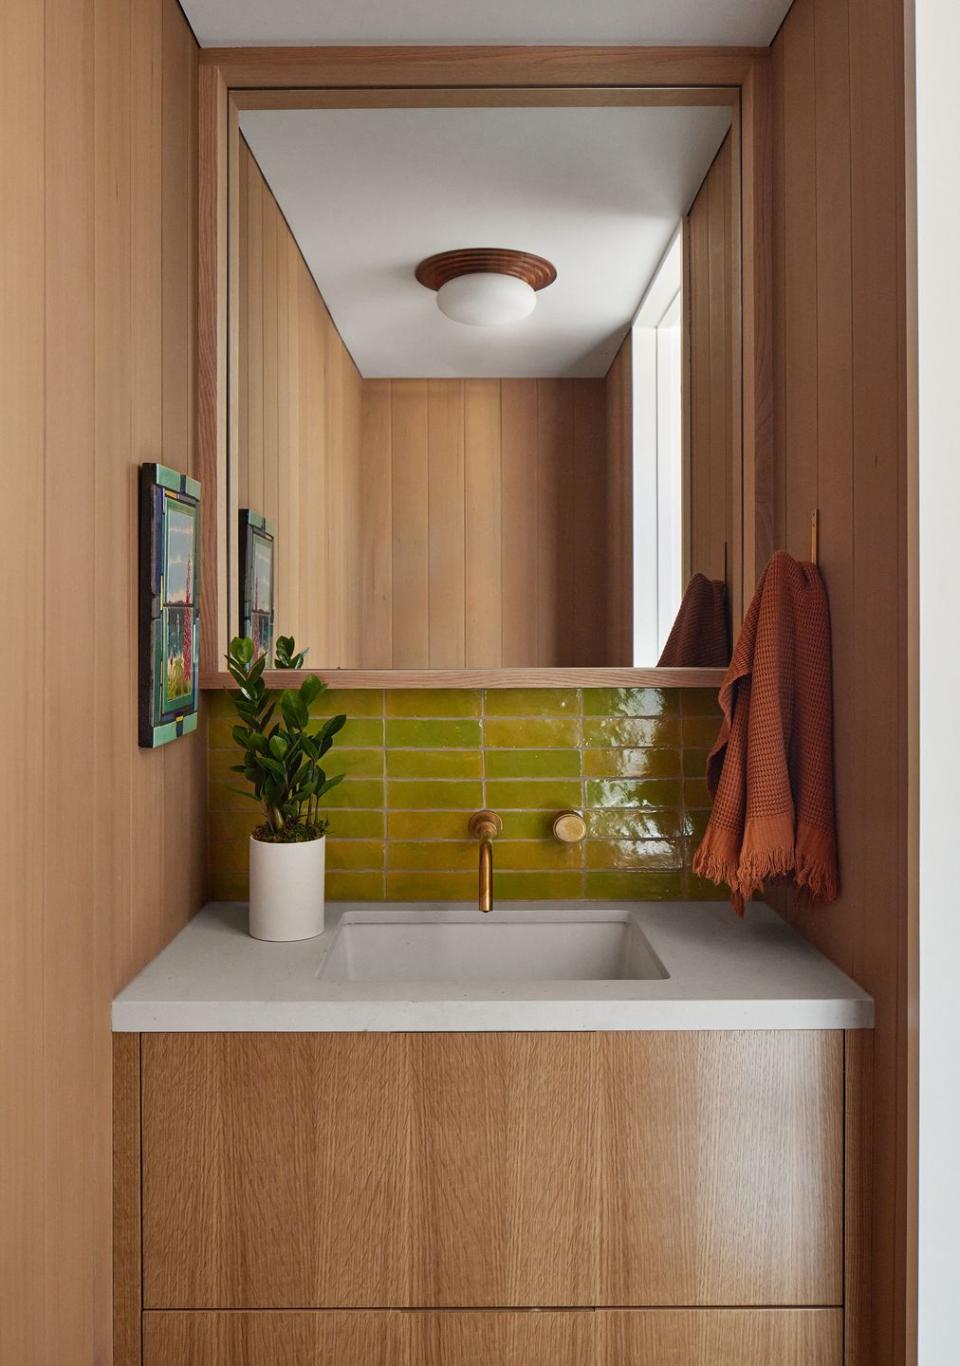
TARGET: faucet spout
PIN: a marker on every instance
(485, 826)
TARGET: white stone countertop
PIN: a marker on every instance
(722, 973)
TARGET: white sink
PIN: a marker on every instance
(539, 945)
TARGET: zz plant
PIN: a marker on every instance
(281, 759)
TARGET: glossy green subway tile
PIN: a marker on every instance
(695, 823)
(545, 732)
(220, 732)
(228, 795)
(640, 792)
(694, 763)
(524, 794)
(537, 886)
(219, 704)
(354, 824)
(635, 825)
(433, 702)
(531, 701)
(459, 734)
(358, 792)
(635, 886)
(532, 763)
(219, 765)
(633, 732)
(434, 763)
(631, 763)
(695, 794)
(640, 854)
(356, 763)
(350, 702)
(528, 825)
(700, 732)
(359, 733)
(230, 855)
(354, 886)
(431, 886)
(546, 855)
(427, 825)
(702, 889)
(445, 855)
(630, 702)
(227, 886)
(343, 853)
(700, 702)
(233, 825)
(424, 795)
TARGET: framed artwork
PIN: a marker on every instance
(169, 605)
(257, 542)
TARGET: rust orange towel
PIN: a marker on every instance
(771, 770)
(699, 636)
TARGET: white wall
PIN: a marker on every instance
(938, 321)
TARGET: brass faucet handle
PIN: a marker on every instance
(485, 825)
(569, 827)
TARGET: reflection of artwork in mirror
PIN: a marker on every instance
(256, 581)
(488, 379)
(169, 604)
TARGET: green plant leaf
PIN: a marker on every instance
(278, 746)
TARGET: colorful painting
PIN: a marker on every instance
(169, 604)
(257, 543)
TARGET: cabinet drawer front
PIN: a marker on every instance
(491, 1170)
(697, 1337)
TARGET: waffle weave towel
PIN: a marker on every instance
(699, 636)
(771, 770)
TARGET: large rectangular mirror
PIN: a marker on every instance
(520, 459)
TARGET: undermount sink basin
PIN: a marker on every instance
(430, 946)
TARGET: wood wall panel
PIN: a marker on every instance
(618, 626)
(839, 372)
(103, 843)
(712, 325)
(485, 488)
(298, 428)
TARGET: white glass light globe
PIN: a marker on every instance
(486, 299)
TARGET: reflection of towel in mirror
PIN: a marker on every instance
(699, 637)
(771, 770)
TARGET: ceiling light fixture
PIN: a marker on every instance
(486, 286)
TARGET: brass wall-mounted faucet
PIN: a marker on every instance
(485, 826)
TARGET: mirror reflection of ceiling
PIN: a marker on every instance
(368, 193)
(224, 23)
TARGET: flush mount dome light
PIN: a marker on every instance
(486, 286)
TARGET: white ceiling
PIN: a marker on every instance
(671, 22)
(369, 193)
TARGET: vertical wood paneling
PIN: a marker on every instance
(376, 529)
(446, 516)
(520, 564)
(587, 523)
(410, 523)
(838, 212)
(483, 525)
(101, 874)
(618, 495)
(271, 345)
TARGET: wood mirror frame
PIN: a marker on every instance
(344, 77)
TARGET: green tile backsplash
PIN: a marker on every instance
(418, 762)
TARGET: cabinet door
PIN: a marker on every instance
(325, 1338)
(721, 1162)
(276, 1170)
(721, 1337)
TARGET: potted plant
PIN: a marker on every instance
(282, 763)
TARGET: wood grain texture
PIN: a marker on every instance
(840, 445)
(722, 1166)
(479, 66)
(127, 1291)
(798, 1337)
(488, 678)
(448, 1170)
(297, 430)
(712, 304)
(802, 1337)
(618, 625)
(518, 97)
(328, 1339)
(102, 842)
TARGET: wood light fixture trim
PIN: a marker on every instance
(534, 271)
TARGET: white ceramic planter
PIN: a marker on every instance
(286, 889)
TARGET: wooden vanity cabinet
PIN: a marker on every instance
(661, 1197)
